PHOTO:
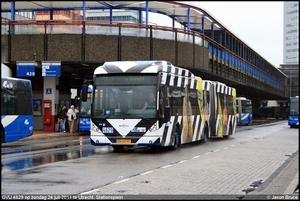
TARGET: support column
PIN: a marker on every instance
(50, 100)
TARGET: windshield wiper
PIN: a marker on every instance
(143, 118)
(122, 116)
(104, 118)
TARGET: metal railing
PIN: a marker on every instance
(134, 30)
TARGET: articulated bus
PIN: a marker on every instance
(84, 123)
(221, 105)
(244, 110)
(186, 108)
(293, 118)
(16, 107)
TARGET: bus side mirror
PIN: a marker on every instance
(84, 92)
(167, 113)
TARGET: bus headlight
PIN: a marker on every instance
(153, 128)
(95, 128)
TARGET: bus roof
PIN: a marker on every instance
(146, 66)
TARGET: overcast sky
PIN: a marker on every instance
(257, 24)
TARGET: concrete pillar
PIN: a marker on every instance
(50, 100)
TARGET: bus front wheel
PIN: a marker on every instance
(176, 139)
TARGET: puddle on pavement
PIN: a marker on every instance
(22, 150)
(26, 163)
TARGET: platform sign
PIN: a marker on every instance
(51, 69)
(25, 69)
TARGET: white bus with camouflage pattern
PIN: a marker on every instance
(185, 109)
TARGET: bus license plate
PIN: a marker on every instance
(124, 140)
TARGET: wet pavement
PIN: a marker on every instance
(283, 181)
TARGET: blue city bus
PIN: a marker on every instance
(84, 124)
(293, 119)
(244, 110)
(16, 109)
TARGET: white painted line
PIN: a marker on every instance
(166, 166)
(117, 182)
(146, 172)
(88, 192)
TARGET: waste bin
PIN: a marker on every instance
(56, 127)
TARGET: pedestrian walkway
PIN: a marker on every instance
(252, 169)
(284, 180)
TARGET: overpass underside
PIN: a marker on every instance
(80, 53)
(246, 84)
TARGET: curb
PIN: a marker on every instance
(284, 180)
(291, 189)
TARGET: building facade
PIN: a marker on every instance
(292, 71)
(290, 64)
(291, 32)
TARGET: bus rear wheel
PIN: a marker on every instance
(205, 134)
(176, 139)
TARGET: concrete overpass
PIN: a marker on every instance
(201, 44)
(81, 52)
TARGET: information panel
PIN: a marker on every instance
(25, 69)
(51, 69)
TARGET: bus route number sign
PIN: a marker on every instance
(25, 69)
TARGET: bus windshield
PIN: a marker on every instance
(294, 106)
(244, 110)
(293, 118)
(85, 108)
(246, 106)
(125, 97)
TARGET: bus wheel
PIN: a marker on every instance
(177, 139)
(230, 130)
(2, 135)
(205, 134)
(118, 148)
